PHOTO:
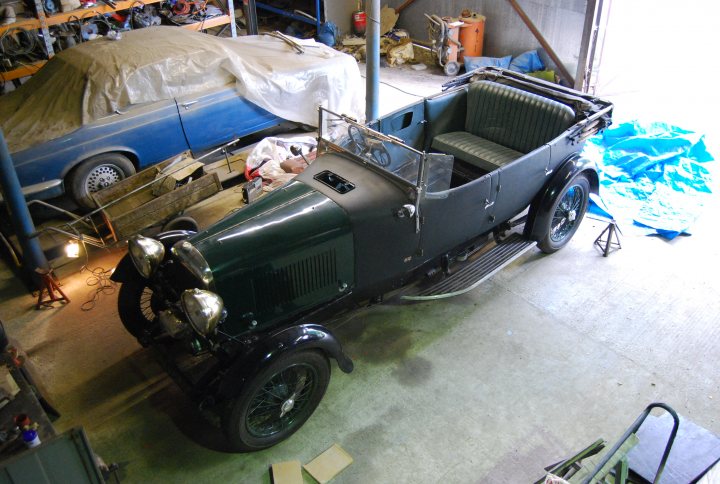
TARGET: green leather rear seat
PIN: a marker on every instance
(502, 124)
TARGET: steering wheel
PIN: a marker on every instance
(370, 148)
(380, 154)
(357, 138)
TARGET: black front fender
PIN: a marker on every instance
(543, 201)
(270, 346)
(126, 269)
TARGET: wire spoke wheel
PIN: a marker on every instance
(562, 220)
(139, 307)
(566, 215)
(277, 400)
(149, 304)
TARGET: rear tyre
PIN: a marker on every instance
(565, 215)
(96, 173)
(277, 401)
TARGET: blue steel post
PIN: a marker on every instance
(33, 256)
(372, 80)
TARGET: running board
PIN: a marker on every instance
(476, 272)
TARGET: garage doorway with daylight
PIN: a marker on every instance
(656, 60)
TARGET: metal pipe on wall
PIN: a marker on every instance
(372, 62)
(33, 256)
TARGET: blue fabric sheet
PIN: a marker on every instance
(655, 176)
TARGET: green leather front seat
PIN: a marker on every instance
(502, 124)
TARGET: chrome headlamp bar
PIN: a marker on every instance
(193, 261)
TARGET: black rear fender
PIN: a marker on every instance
(126, 269)
(271, 346)
(543, 201)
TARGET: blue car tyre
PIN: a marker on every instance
(96, 173)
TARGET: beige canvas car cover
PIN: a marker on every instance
(102, 77)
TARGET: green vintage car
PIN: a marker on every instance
(430, 200)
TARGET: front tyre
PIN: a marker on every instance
(277, 401)
(96, 173)
(138, 307)
(565, 215)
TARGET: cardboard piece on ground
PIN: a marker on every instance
(388, 19)
(287, 472)
(328, 464)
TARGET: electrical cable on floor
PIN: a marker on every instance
(395, 87)
(100, 279)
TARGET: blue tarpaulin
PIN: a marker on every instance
(655, 176)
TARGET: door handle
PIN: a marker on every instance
(406, 210)
(488, 203)
(188, 104)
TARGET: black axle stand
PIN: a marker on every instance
(607, 245)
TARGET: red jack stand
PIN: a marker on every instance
(607, 245)
(49, 284)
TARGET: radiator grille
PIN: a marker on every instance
(286, 284)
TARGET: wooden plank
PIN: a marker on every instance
(22, 71)
(26, 23)
(209, 23)
(162, 207)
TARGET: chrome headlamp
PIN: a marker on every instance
(203, 309)
(146, 254)
(193, 261)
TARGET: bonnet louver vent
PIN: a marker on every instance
(283, 286)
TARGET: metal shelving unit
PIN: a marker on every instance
(42, 22)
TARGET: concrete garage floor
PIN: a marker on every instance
(549, 355)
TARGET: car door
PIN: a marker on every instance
(521, 180)
(454, 216)
(213, 118)
(407, 124)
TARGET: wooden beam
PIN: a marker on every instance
(564, 73)
(209, 23)
(22, 71)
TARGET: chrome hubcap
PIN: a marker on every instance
(287, 405)
(101, 177)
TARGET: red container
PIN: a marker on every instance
(359, 22)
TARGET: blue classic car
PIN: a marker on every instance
(98, 112)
